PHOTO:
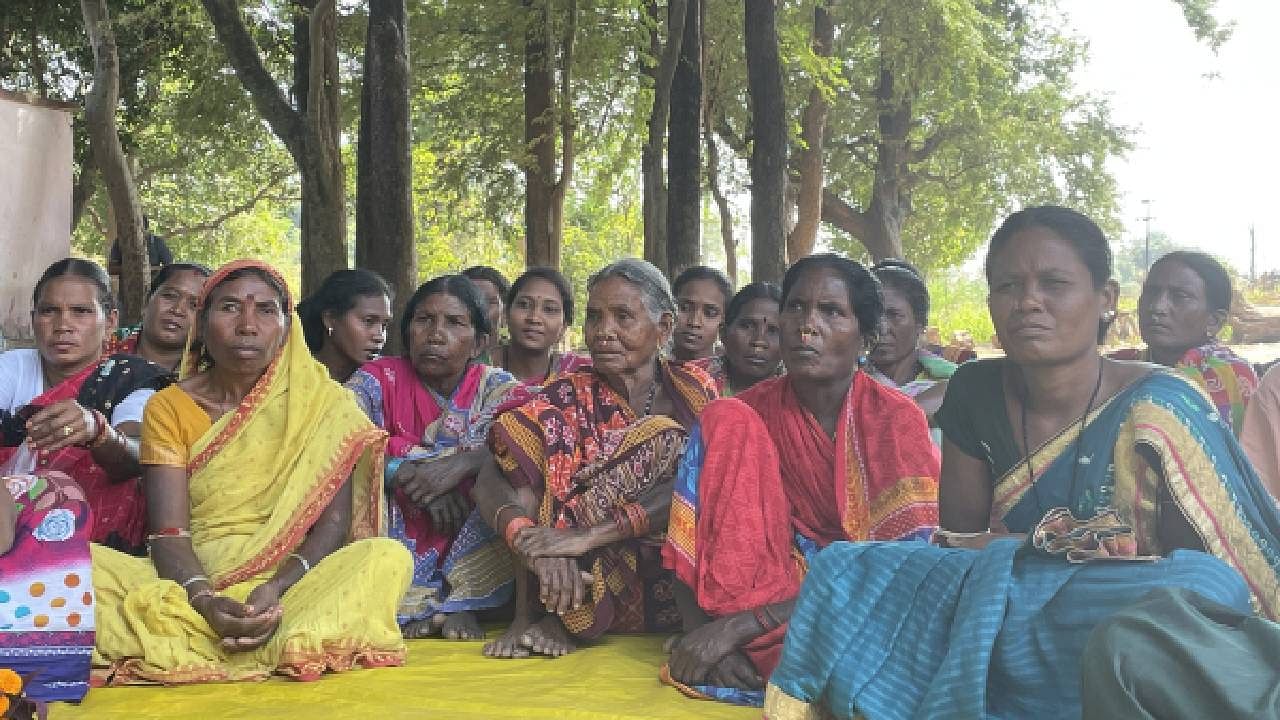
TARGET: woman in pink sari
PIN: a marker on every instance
(67, 410)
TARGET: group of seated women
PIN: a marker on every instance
(243, 487)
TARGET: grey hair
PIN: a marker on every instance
(653, 285)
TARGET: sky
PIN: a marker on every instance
(1208, 143)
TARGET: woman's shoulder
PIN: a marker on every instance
(979, 374)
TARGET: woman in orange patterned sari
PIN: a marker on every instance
(265, 502)
(582, 482)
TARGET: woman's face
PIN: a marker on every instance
(821, 340)
(360, 333)
(245, 326)
(899, 333)
(493, 304)
(69, 322)
(1173, 309)
(751, 342)
(167, 318)
(701, 311)
(535, 319)
(442, 340)
(1043, 301)
(619, 330)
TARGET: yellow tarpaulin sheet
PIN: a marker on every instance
(612, 679)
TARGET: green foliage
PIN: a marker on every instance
(958, 303)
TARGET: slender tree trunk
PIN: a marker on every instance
(655, 190)
(324, 198)
(82, 192)
(310, 132)
(722, 205)
(812, 132)
(568, 130)
(684, 162)
(890, 196)
(769, 149)
(384, 165)
(104, 139)
(539, 136)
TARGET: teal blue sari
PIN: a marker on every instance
(909, 630)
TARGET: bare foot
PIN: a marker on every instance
(548, 637)
(461, 626)
(508, 643)
(419, 629)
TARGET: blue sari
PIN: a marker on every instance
(908, 630)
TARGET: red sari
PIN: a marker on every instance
(763, 486)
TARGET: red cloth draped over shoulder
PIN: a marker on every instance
(118, 507)
(771, 471)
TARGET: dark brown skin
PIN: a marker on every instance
(1045, 308)
(70, 326)
(1173, 312)
(624, 340)
(167, 318)
(244, 331)
(8, 522)
(701, 315)
(356, 336)
(897, 339)
(536, 323)
(821, 342)
(493, 305)
(752, 344)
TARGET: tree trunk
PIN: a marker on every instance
(310, 132)
(890, 196)
(655, 190)
(568, 147)
(539, 137)
(722, 204)
(769, 149)
(384, 165)
(684, 143)
(837, 212)
(82, 192)
(812, 132)
(104, 139)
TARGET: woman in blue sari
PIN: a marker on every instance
(1050, 452)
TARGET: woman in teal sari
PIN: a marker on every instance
(1126, 462)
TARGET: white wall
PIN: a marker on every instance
(35, 204)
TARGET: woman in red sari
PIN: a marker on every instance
(70, 411)
(772, 475)
(582, 482)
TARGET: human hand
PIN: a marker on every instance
(696, 655)
(562, 585)
(535, 542)
(449, 511)
(240, 628)
(425, 480)
(62, 424)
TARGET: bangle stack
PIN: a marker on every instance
(193, 580)
(631, 519)
(102, 430)
(498, 513)
(169, 532)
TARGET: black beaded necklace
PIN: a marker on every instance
(1075, 467)
(653, 387)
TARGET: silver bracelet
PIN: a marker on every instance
(192, 580)
(306, 566)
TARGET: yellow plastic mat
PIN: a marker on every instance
(616, 679)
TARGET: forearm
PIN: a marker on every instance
(117, 455)
(326, 536)
(656, 504)
(175, 559)
(496, 500)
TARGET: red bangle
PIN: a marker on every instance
(514, 526)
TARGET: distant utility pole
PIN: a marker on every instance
(1146, 254)
(1253, 254)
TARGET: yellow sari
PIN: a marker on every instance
(259, 478)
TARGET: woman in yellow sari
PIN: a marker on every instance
(263, 479)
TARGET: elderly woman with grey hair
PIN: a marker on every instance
(581, 477)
